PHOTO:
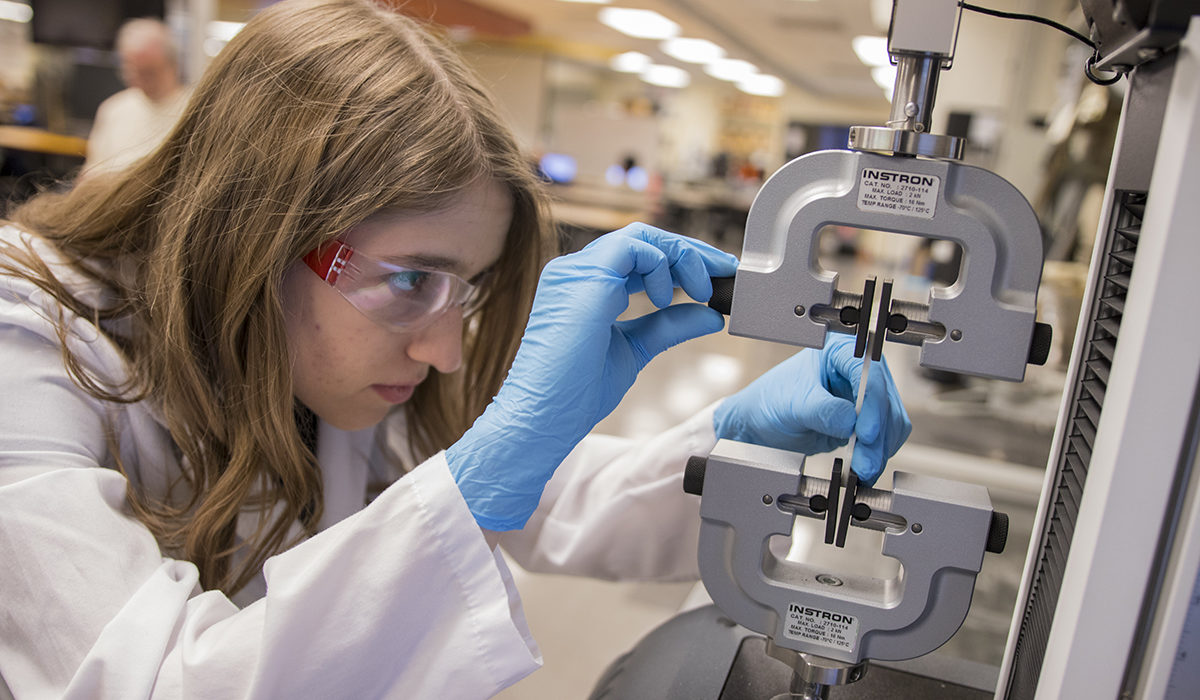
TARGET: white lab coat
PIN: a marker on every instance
(400, 598)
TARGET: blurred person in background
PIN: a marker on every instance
(131, 123)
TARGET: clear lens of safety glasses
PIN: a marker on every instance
(391, 295)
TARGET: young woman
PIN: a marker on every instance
(268, 407)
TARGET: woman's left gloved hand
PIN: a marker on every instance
(577, 360)
(806, 404)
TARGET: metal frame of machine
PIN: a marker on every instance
(1108, 591)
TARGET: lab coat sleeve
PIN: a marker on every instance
(616, 509)
(402, 599)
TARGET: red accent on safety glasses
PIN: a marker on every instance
(391, 295)
(328, 260)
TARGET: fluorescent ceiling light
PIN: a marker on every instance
(642, 24)
(666, 76)
(213, 46)
(15, 11)
(720, 370)
(629, 62)
(732, 69)
(693, 50)
(872, 50)
(224, 30)
(884, 77)
(219, 34)
(765, 85)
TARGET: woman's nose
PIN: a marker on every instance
(439, 344)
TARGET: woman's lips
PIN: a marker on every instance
(395, 393)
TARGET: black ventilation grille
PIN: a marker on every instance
(1087, 401)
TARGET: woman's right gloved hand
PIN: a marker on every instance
(576, 361)
(806, 404)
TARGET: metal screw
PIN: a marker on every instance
(799, 310)
(916, 528)
(911, 109)
(767, 500)
(955, 334)
(829, 580)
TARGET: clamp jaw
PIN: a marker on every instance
(900, 178)
(982, 325)
(938, 530)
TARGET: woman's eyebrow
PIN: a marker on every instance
(422, 261)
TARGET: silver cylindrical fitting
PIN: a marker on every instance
(914, 91)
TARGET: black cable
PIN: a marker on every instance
(1088, 68)
(1029, 18)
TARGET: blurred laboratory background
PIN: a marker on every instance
(673, 112)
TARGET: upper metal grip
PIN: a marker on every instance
(987, 316)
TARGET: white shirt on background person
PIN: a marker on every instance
(128, 126)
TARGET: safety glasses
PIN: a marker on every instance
(391, 295)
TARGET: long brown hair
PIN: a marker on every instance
(316, 115)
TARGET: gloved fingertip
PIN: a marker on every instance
(702, 319)
(693, 276)
(842, 360)
(659, 289)
(715, 323)
(867, 466)
(838, 340)
(841, 420)
(693, 323)
(867, 426)
(897, 434)
(660, 299)
(824, 413)
(665, 328)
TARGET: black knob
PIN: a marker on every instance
(722, 297)
(693, 475)
(897, 323)
(1039, 346)
(997, 533)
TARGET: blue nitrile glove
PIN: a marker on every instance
(806, 404)
(576, 361)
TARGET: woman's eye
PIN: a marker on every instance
(406, 281)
